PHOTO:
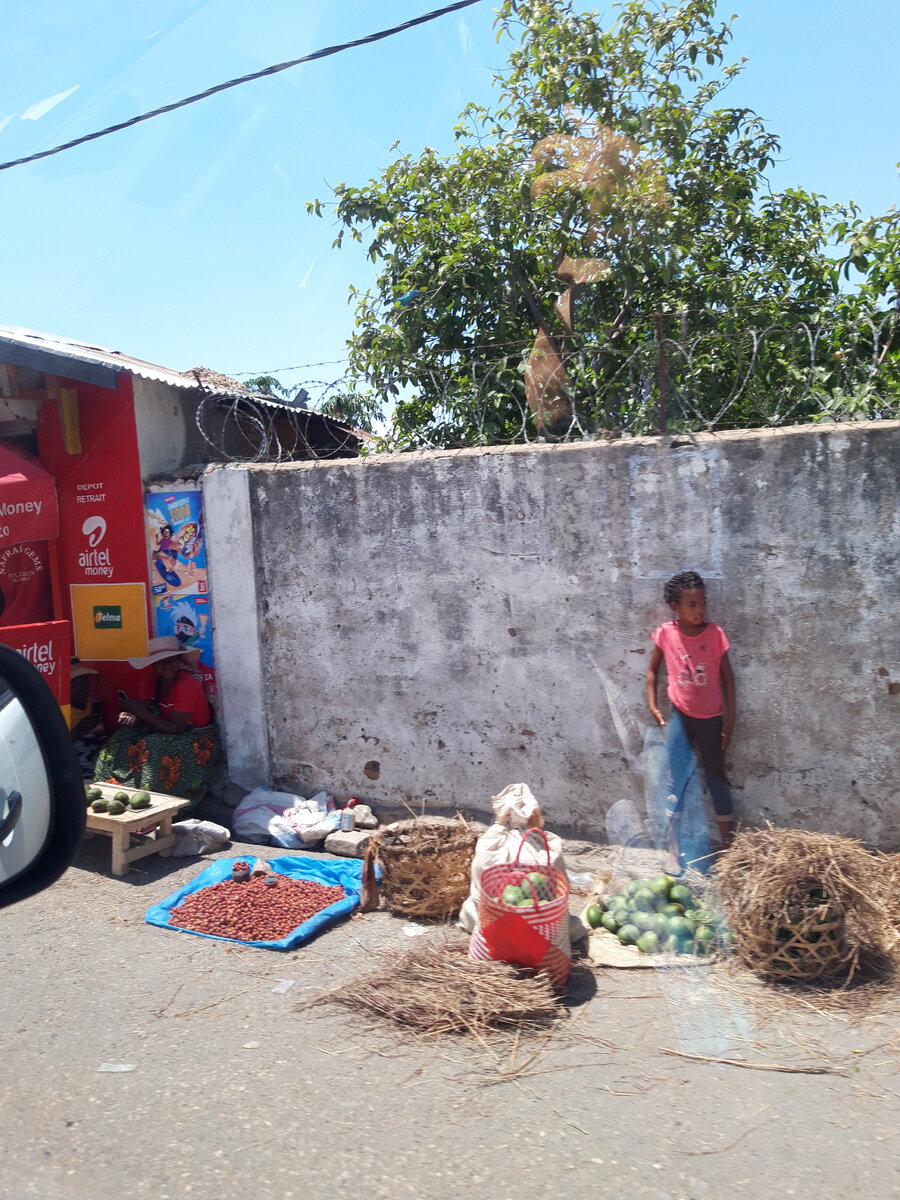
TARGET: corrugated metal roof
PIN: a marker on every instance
(33, 348)
(87, 363)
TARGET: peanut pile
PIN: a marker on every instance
(254, 911)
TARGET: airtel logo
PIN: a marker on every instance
(94, 530)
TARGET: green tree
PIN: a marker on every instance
(268, 385)
(703, 260)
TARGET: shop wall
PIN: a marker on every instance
(440, 625)
(166, 426)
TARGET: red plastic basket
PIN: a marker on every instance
(534, 936)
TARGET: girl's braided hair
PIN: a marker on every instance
(681, 583)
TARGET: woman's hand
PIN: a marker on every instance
(727, 732)
(136, 708)
(657, 716)
(127, 720)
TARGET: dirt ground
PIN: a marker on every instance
(235, 1092)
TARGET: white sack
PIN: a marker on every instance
(265, 816)
(197, 837)
(514, 809)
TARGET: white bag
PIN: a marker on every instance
(265, 816)
(515, 811)
(321, 829)
(197, 837)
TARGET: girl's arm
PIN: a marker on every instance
(652, 675)
(728, 688)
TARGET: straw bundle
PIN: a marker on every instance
(436, 989)
(426, 867)
(889, 877)
(806, 906)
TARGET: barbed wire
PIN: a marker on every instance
(760, 378)
(784, 373)
(238, 429)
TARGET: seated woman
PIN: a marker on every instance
(85, 722)
(167, 741)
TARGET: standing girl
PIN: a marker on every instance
(701, 690)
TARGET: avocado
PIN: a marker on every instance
(115, 807)
(140, 800)
(92, 793)
(122, 797)
(99, 805)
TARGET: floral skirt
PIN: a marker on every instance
(175, 764)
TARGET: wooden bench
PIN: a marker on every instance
(160, 812)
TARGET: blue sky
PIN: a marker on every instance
(185, 240)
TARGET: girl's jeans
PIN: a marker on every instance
(705, 733)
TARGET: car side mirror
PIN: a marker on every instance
(42, 804)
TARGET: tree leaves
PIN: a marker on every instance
(448, 326)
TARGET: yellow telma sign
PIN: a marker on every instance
(109, 620)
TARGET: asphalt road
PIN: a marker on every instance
(236, 1093)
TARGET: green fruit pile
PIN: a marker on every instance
(522, 895)
(658, 915)
(121, 802)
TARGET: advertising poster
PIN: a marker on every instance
(178, 581)
(176, 545)
(25, 590)
(109, 620)
(48, 648)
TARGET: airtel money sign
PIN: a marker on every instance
(94, 561)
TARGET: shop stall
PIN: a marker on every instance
(32, 618)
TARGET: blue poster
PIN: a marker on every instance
(178, 580)
(176, 544)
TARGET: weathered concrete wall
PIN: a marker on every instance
(440, 625)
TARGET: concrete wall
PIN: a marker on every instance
(168, 437)
(441, 625)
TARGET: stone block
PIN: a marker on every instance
(364, 817)
(348, 844)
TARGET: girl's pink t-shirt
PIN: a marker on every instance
(692, 664)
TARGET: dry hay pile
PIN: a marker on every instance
(435, 989)
(890, 890)
(808, 906)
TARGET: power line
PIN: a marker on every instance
(222, 87)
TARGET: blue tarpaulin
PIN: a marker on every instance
(347, 874)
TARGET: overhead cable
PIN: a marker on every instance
(222, 87)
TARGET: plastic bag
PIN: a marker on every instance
(268, 817)
(198, 837)
(280, 832)
(516, 807)
(311, 834)
(515, 810)
(694, 831)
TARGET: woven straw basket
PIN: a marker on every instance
(811, 947)
(426, 867)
